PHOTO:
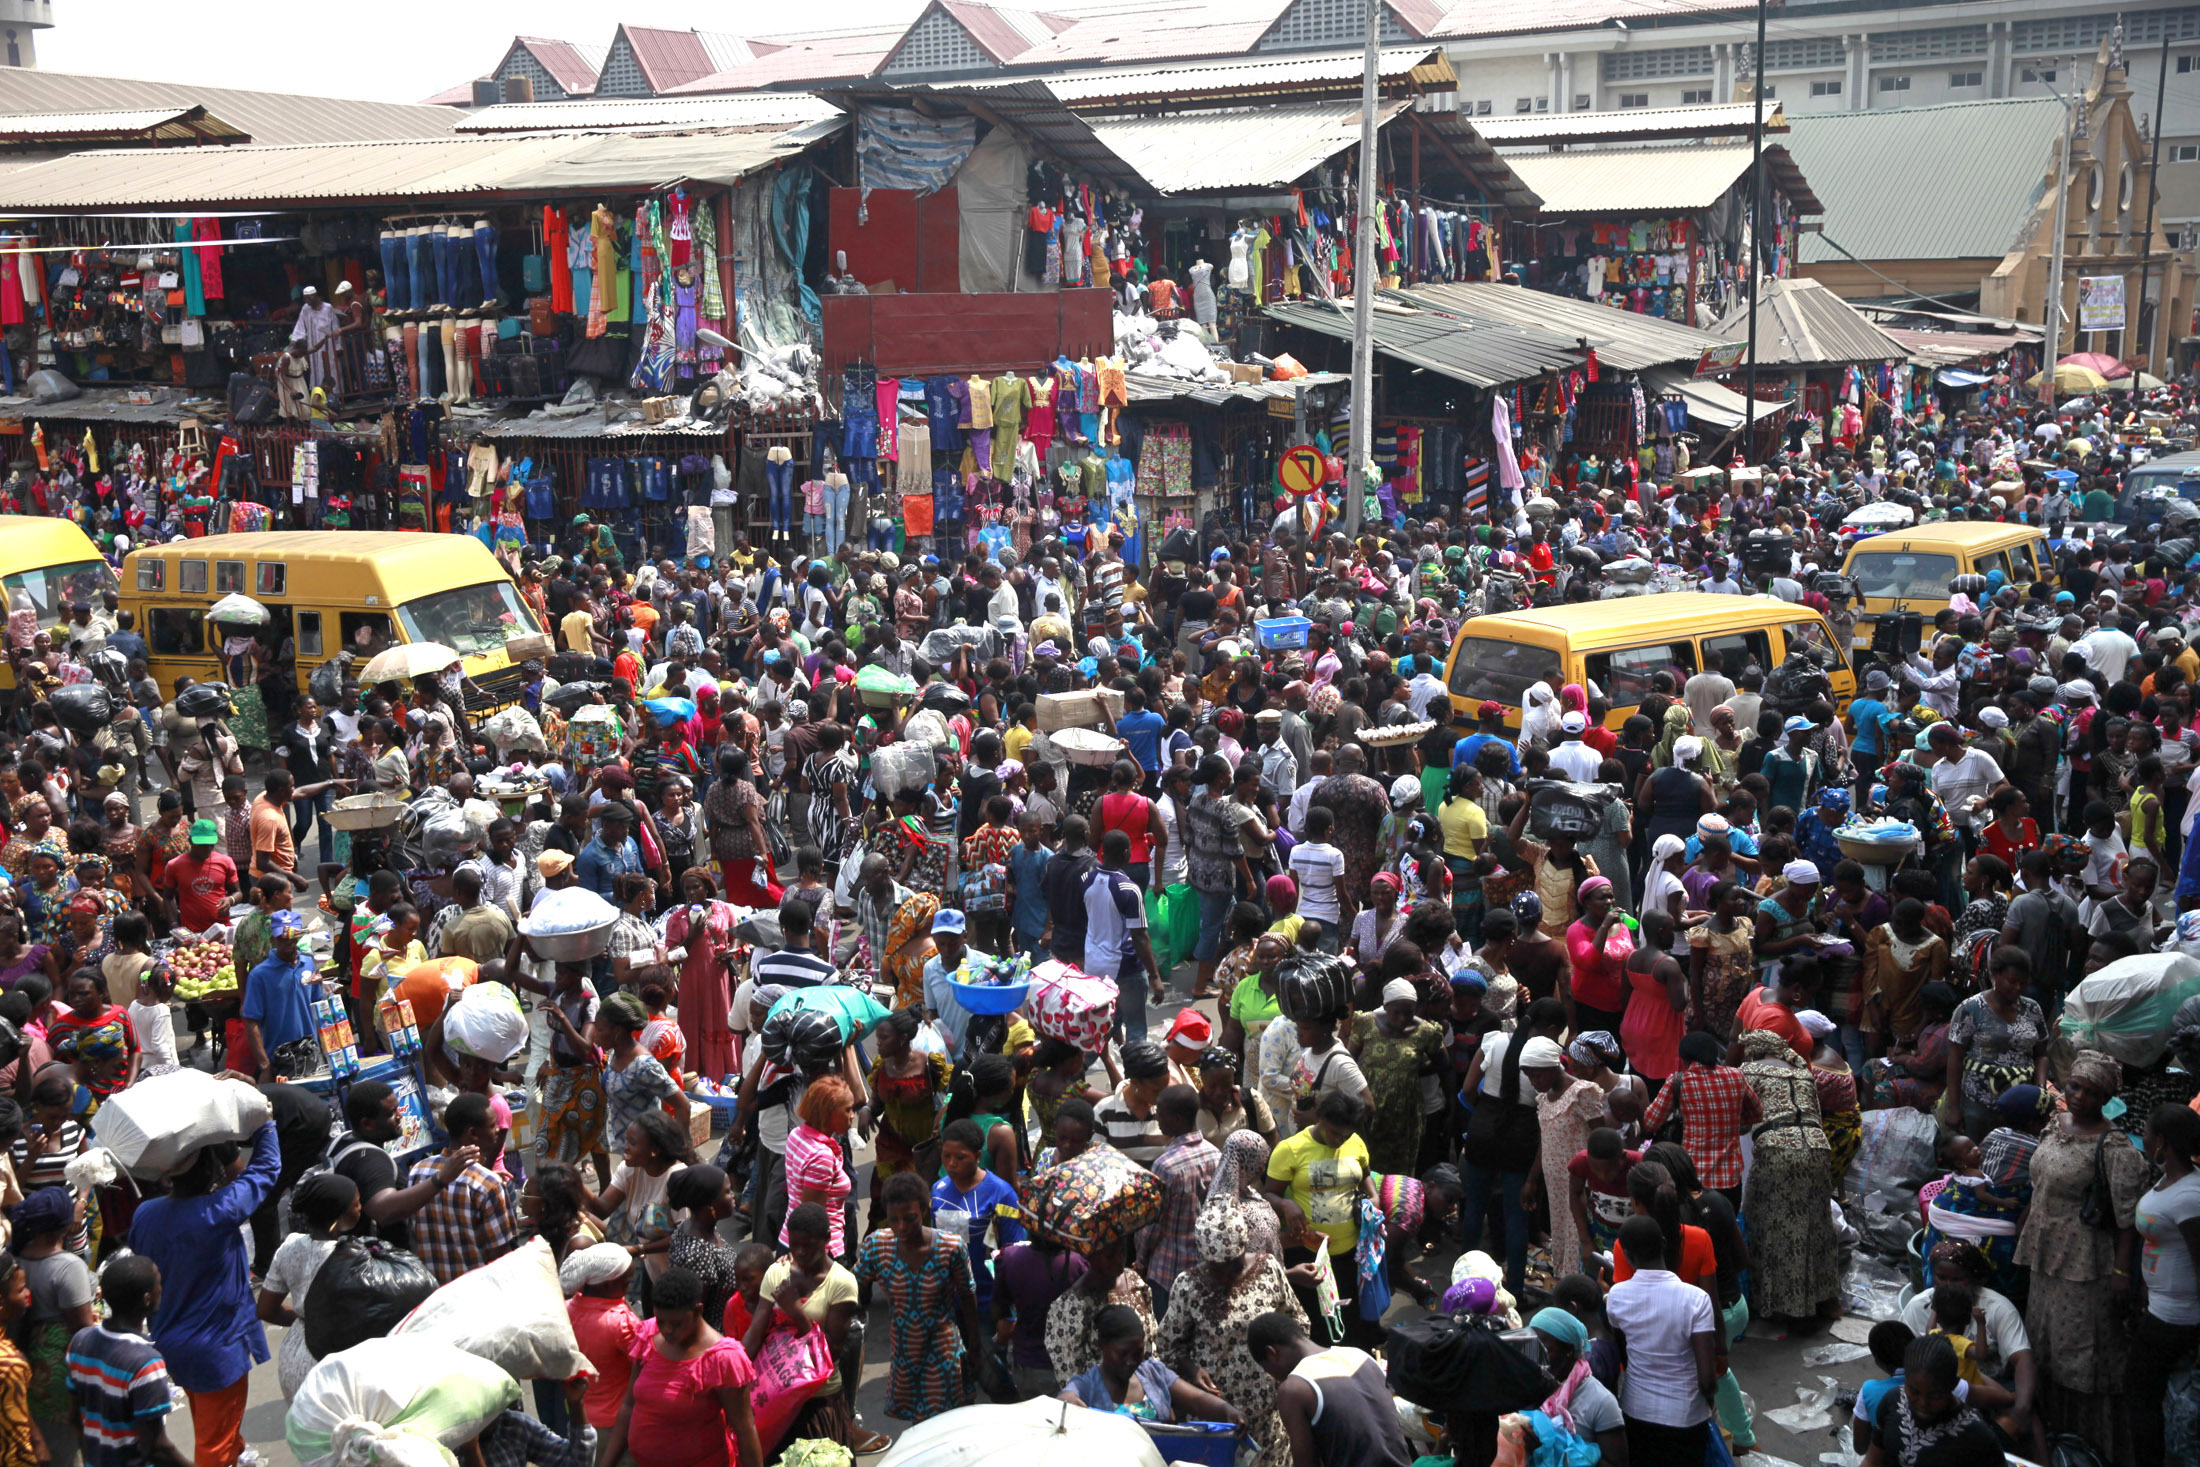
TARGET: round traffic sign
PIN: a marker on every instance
(1300, 471)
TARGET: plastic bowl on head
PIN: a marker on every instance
(988, 998)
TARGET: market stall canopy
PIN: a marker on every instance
(1262, 148)
(1708, 402)
(145, 126)
(1632, 124)
(412, 170)
(1669, 180)
(1958, 377)
(1956, 348)
(1149, 387)
(1627, 340)
(1803, 324)
(743, 110)
(1484, 354)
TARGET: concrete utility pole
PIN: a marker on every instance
(2144, 359)
(1364, 272)
(2052, 347)
(1757, 213)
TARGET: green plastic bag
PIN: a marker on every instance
(1172, 920)
(853, 1009)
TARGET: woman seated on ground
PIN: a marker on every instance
(1130, 1382)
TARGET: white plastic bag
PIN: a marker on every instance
(515, 728)
(486, 1023)
(572, 909)
(154, 1126)
(395, 1403)
(512, 1313)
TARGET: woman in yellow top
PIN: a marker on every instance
(1466, 827)
(1323, 1173)
(2148, 833)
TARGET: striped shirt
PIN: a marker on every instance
(118, 1382)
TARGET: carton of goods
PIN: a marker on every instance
(1077, 710)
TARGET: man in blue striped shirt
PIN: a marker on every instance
(118, 1378)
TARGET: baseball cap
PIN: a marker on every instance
(1797, 724)
(205, 833)
(1490, 710)
(1573, 722)
(948, 920)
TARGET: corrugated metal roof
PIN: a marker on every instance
(1488, 354)
(1508, 17)
(574, 66)
(1952, 348)
(416, 169)
(151, 124)
(744, 110)
(1160, 32)
(1803, 324)
(1955, 182)
(1319, 70)
(846, 56)
(270, 117)
(1455, 137)
(612, 420)
(1003, 33)
(1651, 180)
(1268, 147)
(1622, 339)
(1634, 124)
(112, 405)
(670, 58)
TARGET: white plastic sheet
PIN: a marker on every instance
(154, 1126)
(994, 213)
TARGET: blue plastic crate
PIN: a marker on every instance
(1282, 633)
(1205, 1443)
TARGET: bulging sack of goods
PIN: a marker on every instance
(486, 1023)
(396, 1403)
(511, 1312)
(154, 1126)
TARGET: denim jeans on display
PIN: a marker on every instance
(446, 285)
(465, 290)
(395, 281)
(880, 535)
(836, 514)
(419, 262)
(485, 250)
(780, 477)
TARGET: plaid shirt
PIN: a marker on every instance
(469, 1223)
(1717, 1105)
(516, 1438)
(1186, 1169)
(876, 918)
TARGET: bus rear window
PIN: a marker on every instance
(1902, 575)
(1502, 672)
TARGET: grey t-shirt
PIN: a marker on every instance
(2173, 1292)
(59, 1283)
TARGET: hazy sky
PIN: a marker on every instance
(392, 50)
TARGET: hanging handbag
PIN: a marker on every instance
(2097, 1208)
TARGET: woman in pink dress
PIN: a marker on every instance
(704, 926)
(687, 1404)
(1657, 1003)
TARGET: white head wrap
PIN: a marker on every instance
(1541, 1054)
(1400, 990)
(599, 1263)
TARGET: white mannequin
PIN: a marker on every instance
(779, 453)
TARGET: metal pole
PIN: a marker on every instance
(1757, 212)
(2145, 359)
(2052, 347)
(1364, 269)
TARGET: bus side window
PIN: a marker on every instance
(309, 634)
(191, 577)
(152, 573)
(174, 631)
(365, 632)
(228, 577)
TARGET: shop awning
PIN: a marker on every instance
(1481, 354)
(1265, 148)
(1708, 402)
(615, 420)
(1958, 377)
(1622, 339)
(1667, 180)
(420, 170)
(115, 405)
(1144, 387)
(145, 125)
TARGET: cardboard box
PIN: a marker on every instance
(1077, 710)
(699, 1116)
(1245, 372)
(528, 644)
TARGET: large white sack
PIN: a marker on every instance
(152, 1127)
(2124, 1010)
(395, 1403)
(486, 1023)
(570, 909)
(511, 1312)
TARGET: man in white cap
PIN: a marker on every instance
(1571, 757)
(317, 328)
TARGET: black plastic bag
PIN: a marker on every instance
(327, 684)
(570, 698)
(806, 1041)
(1560, 807)
(82, 708)
(1313, 986)
(250, 399)
(1462, 1363)
(204, 700)
(364, 1290)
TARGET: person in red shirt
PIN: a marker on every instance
(595, 1281)
(1775, 1005)
(202, 880)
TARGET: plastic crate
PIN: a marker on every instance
(1282, 633)
(1207, 1443)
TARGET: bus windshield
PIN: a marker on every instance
(1902, 575)
(471, 620)
(49, 589)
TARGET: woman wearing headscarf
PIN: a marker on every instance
(1672, 728)
(1581, 1406)
(1672, 797)
(1566, 1110)
(1238, 1180)
(1211, 1307)
(1394, 1047)
(1597, 987)
(2078, 1241)
(1790, 1186)
(1539, 716)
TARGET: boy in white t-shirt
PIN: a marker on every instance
(1318, 867)
(154, 1024)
